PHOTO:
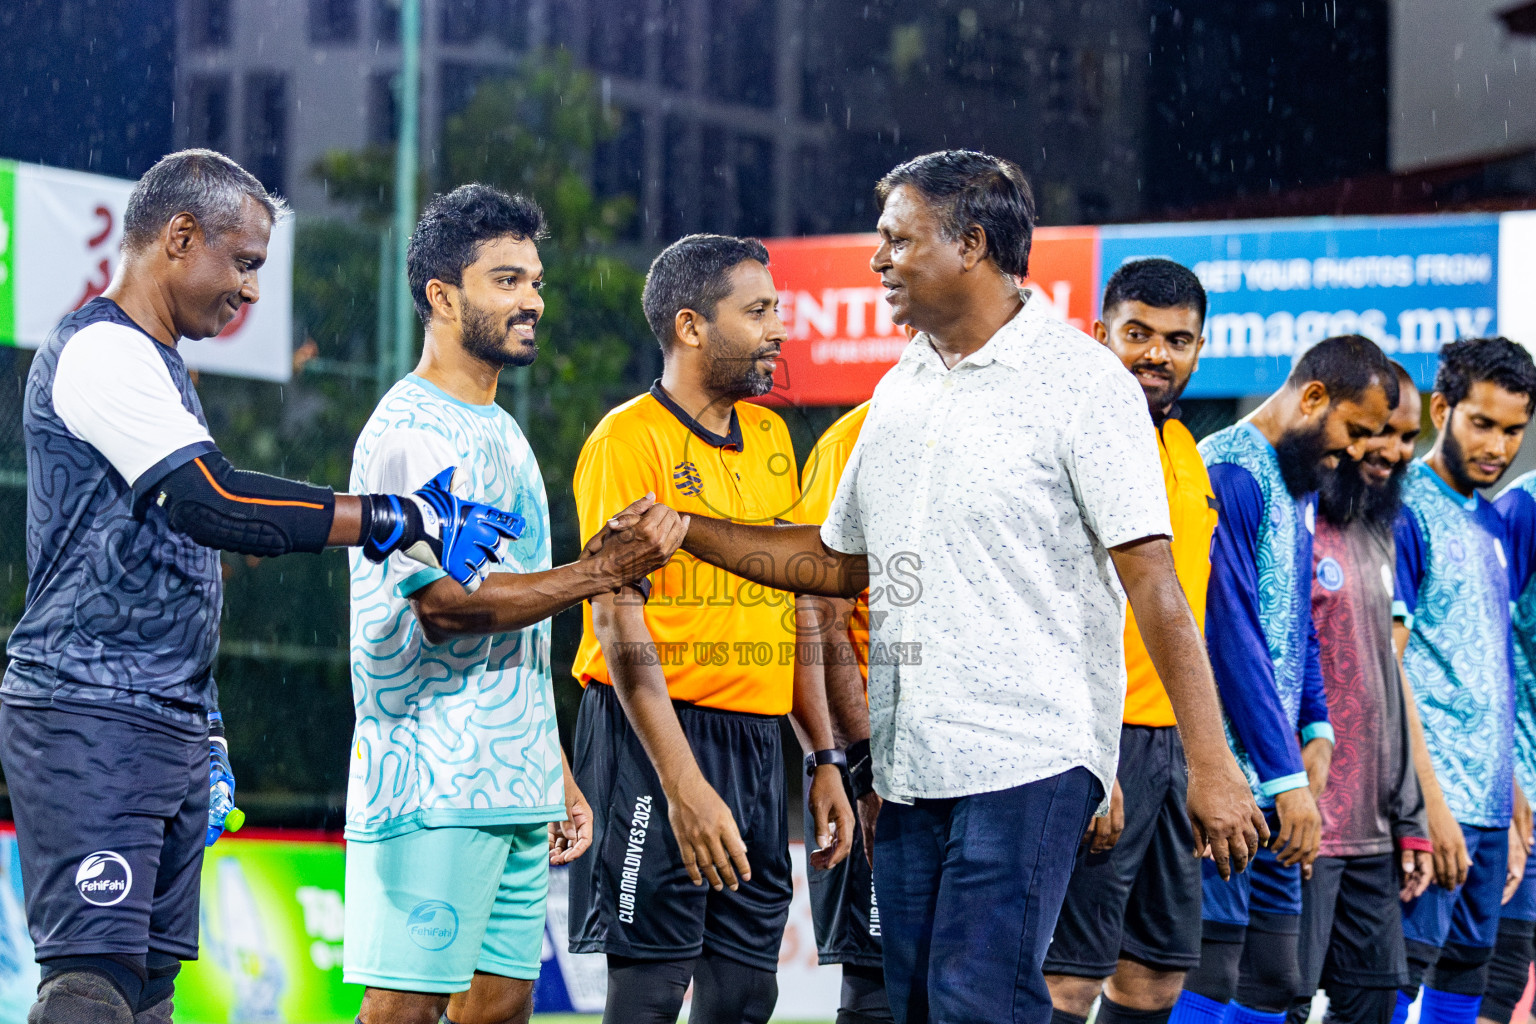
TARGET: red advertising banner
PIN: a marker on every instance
(841, 339)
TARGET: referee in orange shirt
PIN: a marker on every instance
(687, 679)
(1132, 911)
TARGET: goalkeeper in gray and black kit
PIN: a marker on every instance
(108, 709)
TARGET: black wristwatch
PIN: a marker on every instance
(861, 770)
(821, 757)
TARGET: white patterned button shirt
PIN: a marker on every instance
(987, 497)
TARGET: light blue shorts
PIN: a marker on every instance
(428, 908)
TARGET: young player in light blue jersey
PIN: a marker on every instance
(1259, 631)
(459, 796)
(1452, 611)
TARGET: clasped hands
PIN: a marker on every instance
(636, 542)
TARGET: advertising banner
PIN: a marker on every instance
(59, 237)
(273, 917)
(841, 339)
(1517, 276)
(1411, 284)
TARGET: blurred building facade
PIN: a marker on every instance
(769, 117)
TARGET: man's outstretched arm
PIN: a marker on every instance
(789, 557)
(1221, 807)
(507, 601)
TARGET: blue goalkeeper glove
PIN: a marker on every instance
(222, 812)
(437, 528)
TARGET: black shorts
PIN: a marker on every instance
(843, 909)
(110, 822)
(1352, 925)
(1141, 899)
(630, 895)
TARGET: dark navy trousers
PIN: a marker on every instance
(969, 889)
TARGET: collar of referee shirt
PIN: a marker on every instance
(730, 439)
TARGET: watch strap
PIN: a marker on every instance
(821, 757)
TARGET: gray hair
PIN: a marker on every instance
(208, 185)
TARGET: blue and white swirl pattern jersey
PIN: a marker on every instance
(1517, 507)
(1453, 592)
(459, 733)
(1258, 620)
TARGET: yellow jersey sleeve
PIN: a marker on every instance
(824, 466)
(1192, 511)
(610, 475)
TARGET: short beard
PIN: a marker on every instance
(1344, 497)
(734, 377)
(1300, 454)
(485, 338)
(1161, 404)
(1456, 462)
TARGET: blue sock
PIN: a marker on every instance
(1448, 1007)
(1400, 1012)
(1243, 1015)
(1193, 1008)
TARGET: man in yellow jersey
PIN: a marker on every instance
(687, 678)
(834, 654)
(1132, 911)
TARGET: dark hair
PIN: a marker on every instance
(1403, 376)
(969, 188)
(1348, 365)
(208, 185)
(454, 226)
(693, 273)
(1162, 284)
(1495, 360)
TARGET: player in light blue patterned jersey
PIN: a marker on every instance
(459, 796)
(1452, 629)
(1258, 628)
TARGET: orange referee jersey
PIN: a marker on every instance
(818, 485)
(1192, 508)
(722, 641)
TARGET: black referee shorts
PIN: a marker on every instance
(843, 908)
(1352, 925)
(1141, 899)
(630, 895)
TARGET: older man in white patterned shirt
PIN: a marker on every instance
(1009, 464)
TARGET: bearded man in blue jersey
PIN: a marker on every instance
(1258, 628)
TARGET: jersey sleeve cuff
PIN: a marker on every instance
(1415, 843)
(1284, 784)
(416, 581)
(1317, 729)
(1400, 611)
(144, 486)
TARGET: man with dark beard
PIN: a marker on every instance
(1375, 848)
(459, 795)
(1258, 628)
(1453, 592)
(688, 674)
